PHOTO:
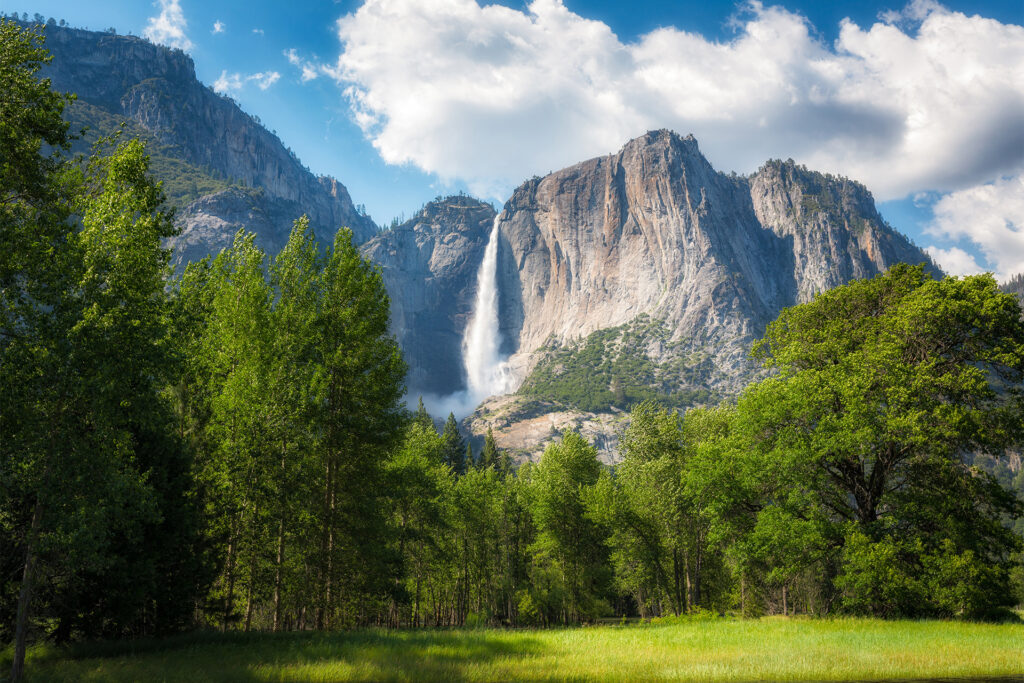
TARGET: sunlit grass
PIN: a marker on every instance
(717, 650)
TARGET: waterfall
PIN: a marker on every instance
(487, 372)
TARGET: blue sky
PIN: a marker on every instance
(403, 100)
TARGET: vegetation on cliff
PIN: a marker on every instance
(614, 368)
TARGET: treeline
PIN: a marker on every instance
(230, 449)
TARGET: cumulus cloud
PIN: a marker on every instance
(258, 31)
(218, 27)
(990, 215)
(954, 261)
(924, 99)
(168, 27)
(233, 82)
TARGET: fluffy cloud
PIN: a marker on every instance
(954, 261)
(991, 216)
(218, 27)
(924, 99)
(168, 27)
(228, 83)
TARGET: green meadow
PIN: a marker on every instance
(769, 649)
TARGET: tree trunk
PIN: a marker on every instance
(279, 560)
(277, 574)
(25, 597)
(229, 599)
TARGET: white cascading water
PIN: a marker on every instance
(487, 372)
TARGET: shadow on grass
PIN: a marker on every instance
(378, 655)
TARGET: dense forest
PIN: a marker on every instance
(229, 449)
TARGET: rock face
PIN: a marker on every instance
(429, 264)
(156, 89)
(654, 230)
(210, 223)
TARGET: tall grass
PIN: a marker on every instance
(719, 650)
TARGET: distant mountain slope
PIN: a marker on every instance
(202, 143)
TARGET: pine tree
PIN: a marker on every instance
(422, 417)
(454, 445)
(489, 456)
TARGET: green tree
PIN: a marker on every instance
(569, 575)
(419, 485)
(422, 416)
(883, 387)
(360, 416)
(89, 471)
(492, 456)
(454, 445)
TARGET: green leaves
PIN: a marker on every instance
(883, 386)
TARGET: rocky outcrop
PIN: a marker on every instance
(429, 264)
(830, 226)
(655, 231)
(523, 427)
(156, 89)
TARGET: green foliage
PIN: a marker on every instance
(492, 456)
(569, 574)
(292, 389)
(611, 368)
(95, 514)
(882, 385)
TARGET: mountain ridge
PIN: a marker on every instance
(154, 88)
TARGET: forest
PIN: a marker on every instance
(230, 449)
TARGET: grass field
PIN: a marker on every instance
(716, 650)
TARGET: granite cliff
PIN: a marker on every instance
(199, 139)
(686, 263)
(429, 264)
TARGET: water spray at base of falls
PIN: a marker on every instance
(487, 371)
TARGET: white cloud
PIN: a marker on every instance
(228, 83)
(218, 27)
(258, 31)
(168, 27)
(926, 99)
(310, 70)
(265, 79)
(989, 215)
(954, 261)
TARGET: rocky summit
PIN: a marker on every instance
(221, 168)
(651, 272)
